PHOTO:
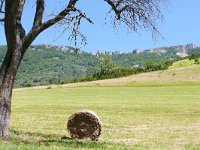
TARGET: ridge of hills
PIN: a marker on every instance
(45, 64)
(189, 75)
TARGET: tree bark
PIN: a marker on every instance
(7, 76)
(14, 35)
(5, 109)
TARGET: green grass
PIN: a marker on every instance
(156, 110)
(157, 117)
(183, 63)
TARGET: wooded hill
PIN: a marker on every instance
(43, 64)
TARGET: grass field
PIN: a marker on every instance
(151, 116)
(183, 63)
(133, 117)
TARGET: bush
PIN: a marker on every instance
(114, 73)
(107, 70)
(153, 66)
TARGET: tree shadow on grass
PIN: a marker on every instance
(48, 140)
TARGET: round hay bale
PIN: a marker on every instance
(84, 124)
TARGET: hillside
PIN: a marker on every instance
(45, 64)
(178, 76)
(42, 66)
(171, 77)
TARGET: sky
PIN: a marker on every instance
(181, 26)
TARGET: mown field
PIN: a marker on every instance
(156, 117)
(157, 110)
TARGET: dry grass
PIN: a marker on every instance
(177, 76)
(158, 117)
(138, 112)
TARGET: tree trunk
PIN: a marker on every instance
(7, 75)
(14, 34)
(5, 109)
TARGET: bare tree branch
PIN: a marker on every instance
(74, 21)
(114, 7)
(68, 16)
(2, 11)
(56, 19)
(2, 2)
(19, 6)
(137, 13)
(83, 15)
(38, 27)
(59, 17)
(39, 13)
(76, 25)
(20, 30)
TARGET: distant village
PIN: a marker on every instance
(181, 50)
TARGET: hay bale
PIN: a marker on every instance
(84, 124)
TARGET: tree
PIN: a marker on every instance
(133, 13)
(105, 67)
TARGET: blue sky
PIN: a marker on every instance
(181, 26)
